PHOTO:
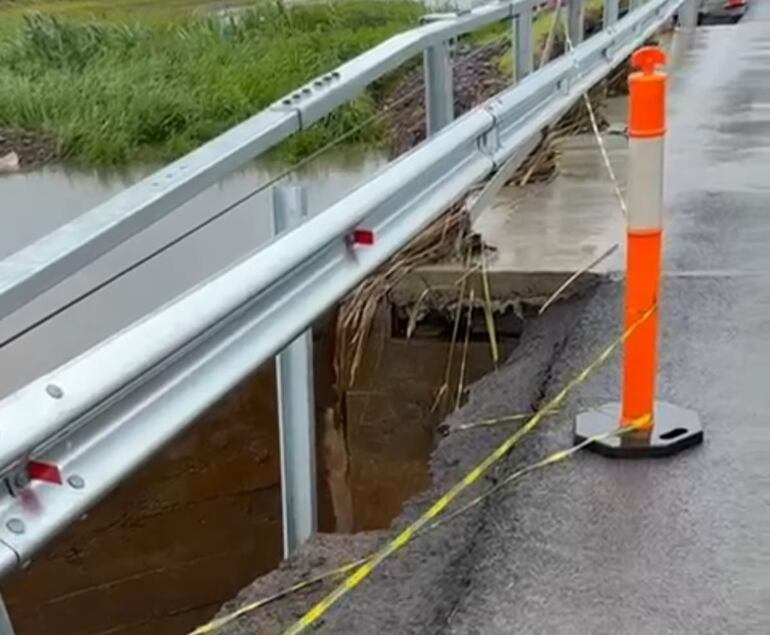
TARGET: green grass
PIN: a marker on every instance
(113, 91)
(115, 82)
(540, 29)
(112, 10)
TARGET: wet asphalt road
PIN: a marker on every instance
(594, 546)
(679, 545)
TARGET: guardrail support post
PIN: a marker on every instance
(463, 6)
(610, 12)
(522, 47)
(296, 404)
(6, 627)
(576, 20)
(688, 14)
(439, 90)
(649, 428)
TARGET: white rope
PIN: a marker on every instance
(595, 127)
(610, 171)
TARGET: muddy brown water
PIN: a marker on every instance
(203, 517)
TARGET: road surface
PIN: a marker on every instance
(599, 547)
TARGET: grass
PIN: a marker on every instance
(540, 29)
(111, 10)
(115, 82)
(113, 90)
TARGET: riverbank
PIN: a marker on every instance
(119, 91)
(104, 84)
(115, 10)
(29, 149)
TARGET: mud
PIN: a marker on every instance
(33, 149)
(609, 547)
(437, 564)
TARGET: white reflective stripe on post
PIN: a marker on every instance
(6, 627)
(296, 405)
(645, 183)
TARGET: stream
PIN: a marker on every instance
(32, 204)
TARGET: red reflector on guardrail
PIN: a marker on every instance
(44, 472)
(363, 237)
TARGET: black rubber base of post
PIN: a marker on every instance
(675, 429)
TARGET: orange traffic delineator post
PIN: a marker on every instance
(659, 428)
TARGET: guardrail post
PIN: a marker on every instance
(296, 404)
(6, 627)
(439, 90)
(576, 20)
(648, 428)
(522, 47)
(610, 12)
(463, 6)
(688, 14)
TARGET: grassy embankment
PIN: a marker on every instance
(129, 85)
(540, 29)
(120, 81)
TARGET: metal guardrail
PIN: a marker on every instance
(33, 270)
(100, 416)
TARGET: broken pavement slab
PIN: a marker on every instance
(540, 235)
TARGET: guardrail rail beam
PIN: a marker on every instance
(99, 417)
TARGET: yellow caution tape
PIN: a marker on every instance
(496, 421)
(215, 624)
(555, 457)
(360, 574)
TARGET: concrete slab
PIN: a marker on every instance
(564, 225)
(542, 234)
(600, 547)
